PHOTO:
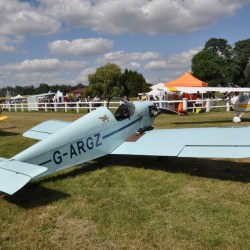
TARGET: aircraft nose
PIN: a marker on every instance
(154, 111)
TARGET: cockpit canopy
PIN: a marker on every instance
(120, 108)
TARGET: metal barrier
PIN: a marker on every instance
(207, 105)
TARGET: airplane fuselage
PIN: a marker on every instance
(241, 103)
(90, 137)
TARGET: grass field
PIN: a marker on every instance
(123, 202)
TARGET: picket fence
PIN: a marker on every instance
(206, 104)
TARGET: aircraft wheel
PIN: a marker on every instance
(236, 119)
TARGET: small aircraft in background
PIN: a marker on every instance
(238, 97)
(123, 130)
(240, 104)
(2, 117)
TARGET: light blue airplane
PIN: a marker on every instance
(124, 130)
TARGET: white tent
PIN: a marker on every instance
(34, 99)
(160, 86)
(59, 96)
(158, 90)
(18, 97)
(155, 92)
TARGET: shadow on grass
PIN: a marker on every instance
(205, 122)
(244, 119)
(207, 168)
(71, 172)
(5, 133)
(34, 195)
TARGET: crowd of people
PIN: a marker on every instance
(167, 100)
(194, 100)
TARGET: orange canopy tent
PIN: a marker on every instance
(186, 80)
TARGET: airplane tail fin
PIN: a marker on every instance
(15, 174)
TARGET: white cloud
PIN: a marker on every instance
(113, 16)
(127, 60)
(46, 17)
(156, 65)
(140, 16)
(37, 71)
(44, 65)
(80, 47)
(171, 68)
(19, 18)
(134, 66)
(83, 76)
(6, 46)
(177, 61)
(75, 12)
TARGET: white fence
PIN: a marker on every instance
(206, 105)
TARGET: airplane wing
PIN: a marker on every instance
(45, 129)
(15, 174)
(2, 159)
(190, 142)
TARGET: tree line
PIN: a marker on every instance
(107, 81)
(218, 64)
(31, 90)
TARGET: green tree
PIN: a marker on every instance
(247, 74)
(134, 83)
(209, 67)
(219, 46)
(80, 85)
(43, 88)
(28, 90)
(218, 63)
(241, 57)
(106, 81)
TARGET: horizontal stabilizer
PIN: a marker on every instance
(15, 174)
(45, 129)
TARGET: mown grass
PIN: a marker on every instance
(124, 202)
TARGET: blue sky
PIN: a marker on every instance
(62, 41)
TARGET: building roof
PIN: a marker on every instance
(78, 91)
